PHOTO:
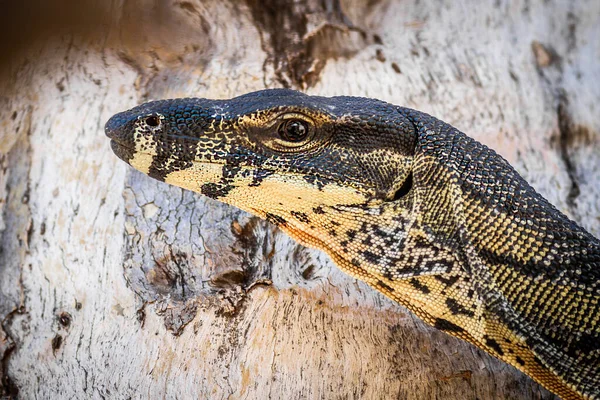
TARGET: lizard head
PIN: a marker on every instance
(270, 147)
(322, 169)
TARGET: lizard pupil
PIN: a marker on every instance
(152, 121)
(294, 130)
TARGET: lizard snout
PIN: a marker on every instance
(112, 125)
(116, 128)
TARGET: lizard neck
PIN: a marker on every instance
(490, 203)
(537, 270)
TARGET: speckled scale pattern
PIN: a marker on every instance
(421, 212)
(520, 238)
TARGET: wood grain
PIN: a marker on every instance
(116, 286)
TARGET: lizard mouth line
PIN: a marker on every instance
(119, 148)
(126, 153)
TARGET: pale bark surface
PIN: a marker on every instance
(113, 285)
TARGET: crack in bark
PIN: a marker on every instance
(7, 386)
(565, 137)
(549, 65)
(302, 37)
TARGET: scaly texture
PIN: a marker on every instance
(426, 215)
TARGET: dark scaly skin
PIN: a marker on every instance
(426, 215)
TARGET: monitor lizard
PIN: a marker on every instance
(421, 212)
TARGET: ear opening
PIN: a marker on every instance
(404, 189)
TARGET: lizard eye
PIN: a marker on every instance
(294, 130)
(152, 121)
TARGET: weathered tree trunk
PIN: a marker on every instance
(113, 285)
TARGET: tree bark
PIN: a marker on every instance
(113, 285)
